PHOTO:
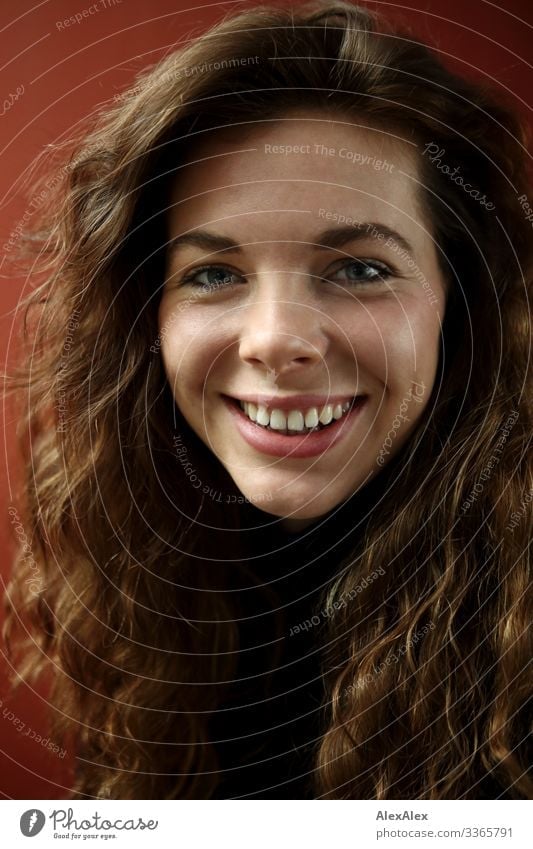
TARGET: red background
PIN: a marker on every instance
(66, 73)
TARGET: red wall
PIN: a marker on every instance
(61, 74)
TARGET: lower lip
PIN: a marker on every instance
(300, 446)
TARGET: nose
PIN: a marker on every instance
(283, 336)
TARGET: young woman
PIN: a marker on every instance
(278, 479)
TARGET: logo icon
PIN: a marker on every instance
(31, 822)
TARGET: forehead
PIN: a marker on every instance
(302, 163)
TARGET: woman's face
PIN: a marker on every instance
(301, 275)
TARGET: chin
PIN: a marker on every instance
(289, 509)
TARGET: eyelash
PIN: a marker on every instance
(383, 272)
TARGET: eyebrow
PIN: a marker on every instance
(335, 237)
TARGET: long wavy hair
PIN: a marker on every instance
(426, 671)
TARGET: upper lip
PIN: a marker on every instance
(294, 402)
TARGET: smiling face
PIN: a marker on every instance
(302, 308)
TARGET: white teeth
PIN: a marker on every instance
(278, 420)
(311, 417)
(326, 415)
(295, 420)
(263, 416)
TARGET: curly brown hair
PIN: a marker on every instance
(117, 541)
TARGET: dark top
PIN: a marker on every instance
(268, 730)
(269, 727)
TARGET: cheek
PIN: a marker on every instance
(177, 344)
(397, 341)
(192, 347)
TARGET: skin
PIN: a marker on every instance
(296, 317)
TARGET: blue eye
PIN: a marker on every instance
(363, 271)
(215, 277)
(356, 272)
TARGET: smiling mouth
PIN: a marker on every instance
(297, 422)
